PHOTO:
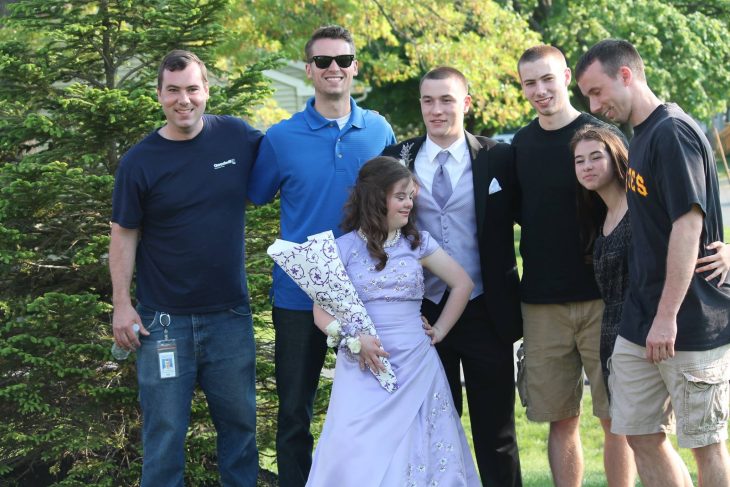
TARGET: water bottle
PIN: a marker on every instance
(120, 353)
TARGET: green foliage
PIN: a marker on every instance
(77, 90)
(60, 395)
(262, 228)
(685, 45)
(398, 41)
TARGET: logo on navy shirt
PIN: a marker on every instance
(224, 163)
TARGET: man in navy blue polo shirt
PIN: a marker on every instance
(312, 159)
(178, 213)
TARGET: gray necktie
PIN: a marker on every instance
(441, 189)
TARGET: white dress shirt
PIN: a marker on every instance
(426, 163)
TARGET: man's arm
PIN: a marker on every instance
(264, 178)
(122, 252)
(391, 137)
(684, 242)
(460, 286)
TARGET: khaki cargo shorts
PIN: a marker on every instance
(560, 341)
(691, 387)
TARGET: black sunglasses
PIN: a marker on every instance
(324, 62)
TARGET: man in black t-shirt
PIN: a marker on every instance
(561, 306)
(672, 356)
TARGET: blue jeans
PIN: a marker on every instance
(300, 349)
(217, 351)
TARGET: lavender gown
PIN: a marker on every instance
(412, 437)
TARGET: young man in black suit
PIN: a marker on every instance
(465, 202)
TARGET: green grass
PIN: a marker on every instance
(532, 442)
(532, 437)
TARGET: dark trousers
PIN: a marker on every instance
(490, 389)
(300, 349)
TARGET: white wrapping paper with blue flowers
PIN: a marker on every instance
(317, 269)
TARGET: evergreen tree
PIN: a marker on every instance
(77, 89)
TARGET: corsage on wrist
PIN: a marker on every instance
(354, 344)
(334, 333)
(337, 338)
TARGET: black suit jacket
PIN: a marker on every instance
(495, 232)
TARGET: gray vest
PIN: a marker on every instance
(455, 228)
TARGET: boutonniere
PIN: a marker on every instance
(405, 154)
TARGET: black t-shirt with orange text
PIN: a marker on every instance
(671, 168)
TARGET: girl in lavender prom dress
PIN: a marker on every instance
(412, 436)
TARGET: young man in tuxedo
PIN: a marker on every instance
(465, 202)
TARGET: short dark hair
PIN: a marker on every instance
(367, 207)
(538, 52)
(444, 72)
(178, 60)
(328, 32)
(612, 54)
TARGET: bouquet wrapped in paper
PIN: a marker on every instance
(317, 269)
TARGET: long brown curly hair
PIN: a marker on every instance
(367, 207)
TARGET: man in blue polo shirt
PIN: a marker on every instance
(312, 159)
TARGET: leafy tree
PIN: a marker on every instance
(399, 40)
(685, 44)
(77, 81)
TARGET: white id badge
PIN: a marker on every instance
(167, 358)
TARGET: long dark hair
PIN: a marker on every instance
(591, 208)
(367, 207)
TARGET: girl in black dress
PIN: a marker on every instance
(601, 161)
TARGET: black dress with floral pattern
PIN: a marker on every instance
(610, 262)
